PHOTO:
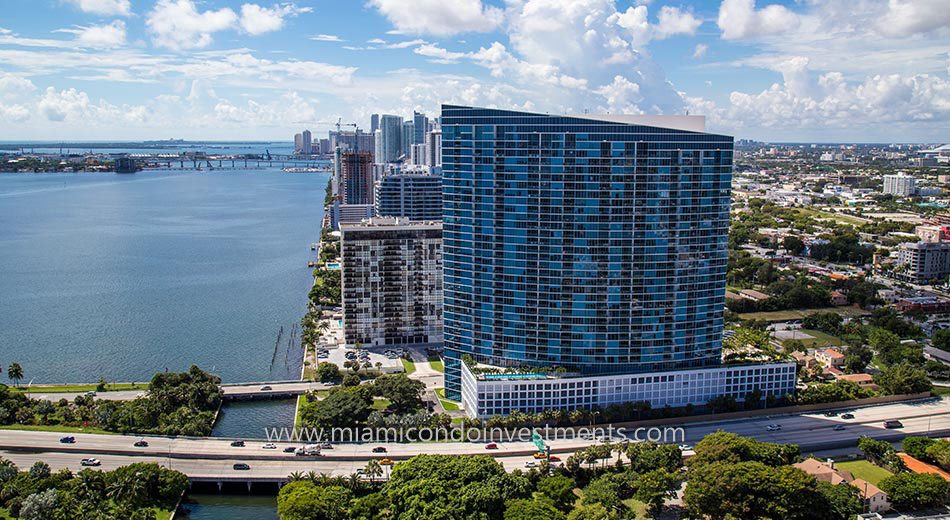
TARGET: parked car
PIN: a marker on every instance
(269, 446)
(69, 439)
(379, 449)
(893, 423)
(90, 462)
(141, 443)
(240, 466)
(237, 444)
(491, 446)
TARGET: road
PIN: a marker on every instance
(211, 458)
(235, 391)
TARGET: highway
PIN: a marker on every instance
(212, 458)
(236, 391)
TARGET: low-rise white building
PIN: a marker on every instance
(485, 395)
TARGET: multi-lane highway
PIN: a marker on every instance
(237, 391)
(212, 458)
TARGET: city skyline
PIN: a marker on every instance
(772, 71)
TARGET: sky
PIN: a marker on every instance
(769, 70)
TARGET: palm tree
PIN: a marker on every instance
(296, 476)
(15, 373)
(373, 469)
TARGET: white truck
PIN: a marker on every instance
(310, 449)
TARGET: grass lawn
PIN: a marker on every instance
(437, 365)
(54, 428)
(820, 339)
(864, 470)
(450, 406)
(845, 219)
(942, 390)
(57, 389)
(408, 365)
(300, 402)
(639, 508)
(799, 314)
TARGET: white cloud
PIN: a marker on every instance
(673, 21)
(256, 19)
(439, 54)
(739, 19)
(177, 24)
(906, 18)
(700, 50)
(99, 36)
(104, 7)
(440, 17)
(326, 38)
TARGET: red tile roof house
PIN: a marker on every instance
(875, 500)
(830, 358)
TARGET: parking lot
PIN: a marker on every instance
(338, 355)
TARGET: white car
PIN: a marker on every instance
(269, 446)
(686, 447)
(90, 462)
(773, 427)
(530, 464)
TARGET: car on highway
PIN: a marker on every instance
(386, 462)
(831, 414)
(269, 446)
(266, 388)
(90, 462)
(290, 449)
(69, 439)
(491, 446)
(530, 464)
(540, 455)
(90, 393)
(847, 416)
(240, 466)
(773, 427)
(237, 444)
(328, 446)
(379, 449)
(893, 423)
(838, 427)
(554, 458)
(141, 443)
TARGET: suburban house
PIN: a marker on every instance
(875, 500)
(830, 358)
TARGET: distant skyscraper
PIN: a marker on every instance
(420, 125)
(417, 196)
(298, 143)
(391, 139)
(434, 149)
(324, 146)
(900, 185)
(597, 244)
(417, 155)
(408, 134)
(373, 123)
(352, 140)
(356, 174)
(307, 144)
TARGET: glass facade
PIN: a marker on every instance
(592, 245)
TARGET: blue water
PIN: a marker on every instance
(252, 419)
(228, 507)
(120, 276)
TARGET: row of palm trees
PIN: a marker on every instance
(354, 481)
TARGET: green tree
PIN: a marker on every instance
(841, 502)
(592, 512)
(344, 407)
(327, 372)
(304, 500)
(793, 244)
(886, 344)
(404, 393)
(728, 447)
(915, 490)
(903, 378)
(654, 487)
(40, 506)
(536, 509)
(15, 373)
(939, 453)
(941, 340)
(917, 446)
(604, 490)
(560, 489)
(751, 490)
(373, 470)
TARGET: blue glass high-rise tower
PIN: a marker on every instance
(593, 243)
